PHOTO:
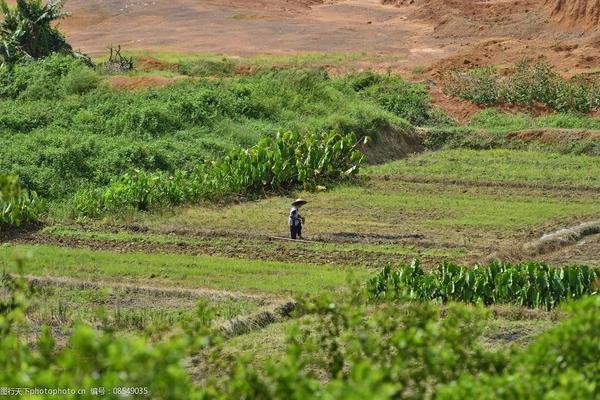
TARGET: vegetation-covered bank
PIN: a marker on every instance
(61, 127)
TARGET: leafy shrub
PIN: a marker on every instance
(23, 117)
(279, 163)
(404, 99)
(478, 85)
(562, 363)
(525, 284)
(17, 205)
(528, 84)
(364, 80)
(80, 81)
(407, 100)
(207, 67)
(38, 79)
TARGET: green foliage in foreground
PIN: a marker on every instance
(526, 284)
(91, 358)
(563, 363)
(346, 349)
(17, 205)
(284, 162)
(528, 84)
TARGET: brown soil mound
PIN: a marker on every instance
(393, 144)
(146, 63)
(460, 18)
(554, 136)
(139, 82)
(581, 13)
(459, 110)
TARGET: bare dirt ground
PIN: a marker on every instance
(421, 39)
(436, 33)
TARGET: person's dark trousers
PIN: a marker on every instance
(296, 231)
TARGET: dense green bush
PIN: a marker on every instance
(93, 359)
(528, 84)
(525, 284)
(561, 364)
(38, 79)
(348, 350)
(284, 162)
(80, 81)
(407, 100)
(17, 205)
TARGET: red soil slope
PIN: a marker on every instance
(577, 12)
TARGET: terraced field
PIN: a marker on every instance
(460, 205)
(452, 228)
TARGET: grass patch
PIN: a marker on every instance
(494, 120)
(182, 270)
(392, 207)
(499, 165)
(121, 309)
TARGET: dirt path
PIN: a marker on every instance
(235, 247)
(243, 28)
(438, 33)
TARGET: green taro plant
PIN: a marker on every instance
(285, 162)
(17, 204)
(527, 284)
(528, 84)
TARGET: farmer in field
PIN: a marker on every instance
(296, 220)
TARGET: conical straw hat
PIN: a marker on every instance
(299, 202)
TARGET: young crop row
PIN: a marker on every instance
(287, 161)
(17, 205)
(528, 284)
(527, 85)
